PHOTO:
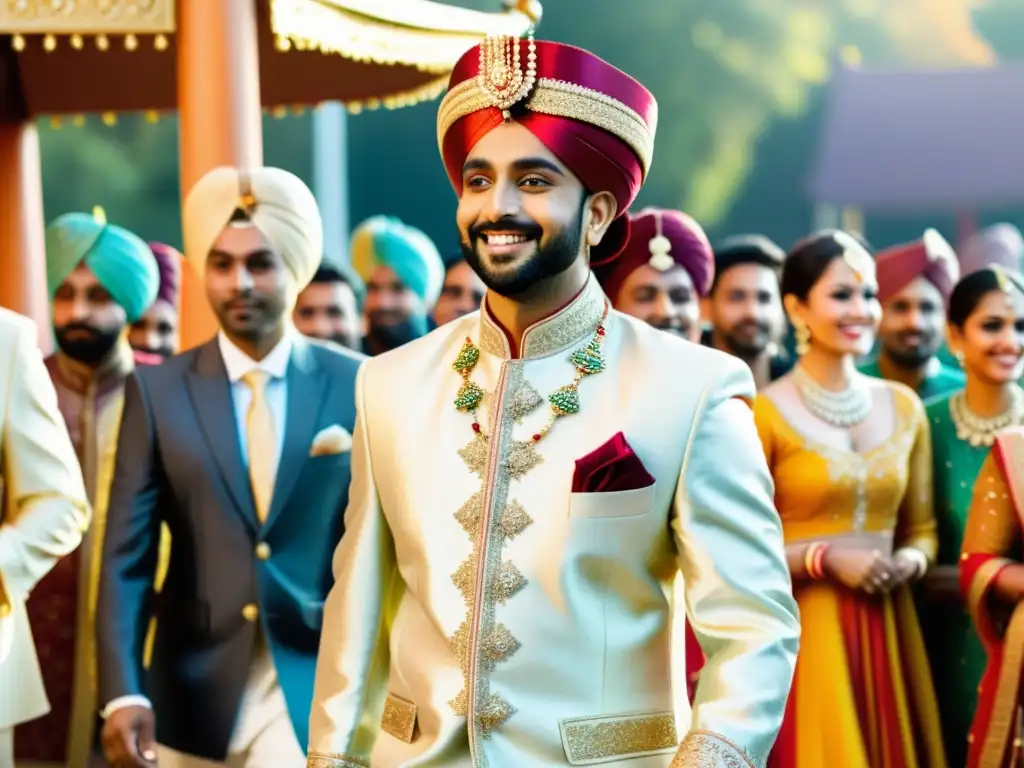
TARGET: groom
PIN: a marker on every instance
(241, 447)
(528, 480)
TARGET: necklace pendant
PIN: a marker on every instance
(588, 360)
(565, 401)
(469, 396)
(467, 358)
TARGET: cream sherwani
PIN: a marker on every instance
(43, 515)
(480, 619)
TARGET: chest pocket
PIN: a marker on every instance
(612, 504)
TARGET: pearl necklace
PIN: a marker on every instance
(979, 431)
(840, 409)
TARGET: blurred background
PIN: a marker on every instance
(743, 88)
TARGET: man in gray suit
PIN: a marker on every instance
(241, 447)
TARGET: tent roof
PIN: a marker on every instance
(362, 52)
(922, 140)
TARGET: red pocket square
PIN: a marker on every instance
(612, 467)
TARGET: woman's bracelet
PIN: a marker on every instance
(814, 560)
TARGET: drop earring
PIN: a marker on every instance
(803, 337)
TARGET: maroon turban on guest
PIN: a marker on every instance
(662, 239)
(931, 257)
(168, 262)
(597, 120)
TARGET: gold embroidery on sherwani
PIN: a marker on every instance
(524, 402)
(399, 718)
(703, 749)
(333, 761)
(490, 517)
(475, 454)
(481, 642)
(595, 739)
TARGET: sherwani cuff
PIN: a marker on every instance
(703, 749)
(13, 573)
(318, 760)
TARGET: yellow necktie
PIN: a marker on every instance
(260, 439)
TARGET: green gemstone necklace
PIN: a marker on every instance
(564, 401)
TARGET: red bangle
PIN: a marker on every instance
(814, 560)
(819, 561)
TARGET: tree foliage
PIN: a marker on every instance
(723, 72)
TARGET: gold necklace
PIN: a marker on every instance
(564, 401)
(979, 431)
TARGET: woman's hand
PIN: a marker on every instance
(867, 570)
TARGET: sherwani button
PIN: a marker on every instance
(250, 612)
(263, 551)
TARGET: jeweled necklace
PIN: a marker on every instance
(979, 431)
(564, 401)
(840, 409)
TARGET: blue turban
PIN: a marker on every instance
(121, 261)
(386, 241)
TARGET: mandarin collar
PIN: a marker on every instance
(566, 328)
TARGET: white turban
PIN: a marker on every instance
(279, 204)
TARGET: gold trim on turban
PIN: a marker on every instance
(559, 99)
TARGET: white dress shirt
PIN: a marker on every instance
(262, 699)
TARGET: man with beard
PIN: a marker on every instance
(329, 308)
(461, 293)
(914, 283)
(503, 593)
(663, 272)
(403, 273)
(241, 447)
(155, 334)
(101, 278)
(744, 305)
(43, 514)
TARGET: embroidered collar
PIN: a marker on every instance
(111, 372)
(568, 327)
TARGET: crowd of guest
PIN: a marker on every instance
(889, 390)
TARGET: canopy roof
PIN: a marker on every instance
(105, 57)
(922, 140)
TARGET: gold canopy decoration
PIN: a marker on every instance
(427, 35)
(86, 17)
(365, 53)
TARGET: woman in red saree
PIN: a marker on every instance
(992, 578)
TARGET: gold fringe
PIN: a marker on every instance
(416, 33)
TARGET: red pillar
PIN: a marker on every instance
(219, 112)
(22, 244)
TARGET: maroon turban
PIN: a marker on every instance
(594, 118)
(930, 257)
(168, 262)
(662, 239)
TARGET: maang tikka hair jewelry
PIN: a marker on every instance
(500, 74)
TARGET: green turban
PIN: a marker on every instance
(121, 261)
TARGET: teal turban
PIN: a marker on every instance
(121, 261)
(386, 241)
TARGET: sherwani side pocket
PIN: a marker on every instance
(606, 738)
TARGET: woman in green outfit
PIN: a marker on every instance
(986, 334)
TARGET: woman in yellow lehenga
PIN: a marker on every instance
(851, 458)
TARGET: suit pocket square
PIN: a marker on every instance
(612, 467)
(330, 441)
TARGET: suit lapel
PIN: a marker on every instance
(306, 387)
(210, 392)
